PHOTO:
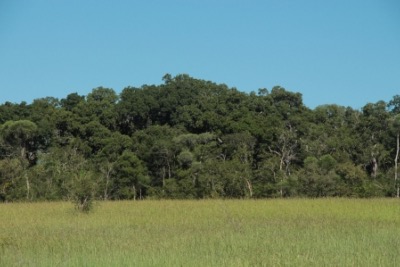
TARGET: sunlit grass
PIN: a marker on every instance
(296, 232)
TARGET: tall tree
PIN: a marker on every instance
(396, 128)
(20, 136)
(131, 177)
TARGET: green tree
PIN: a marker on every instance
(131, 177)
(56, 171)
(138, 108)
(71, 101)
(100, 105)
(106, 160)
(10, 173)
(20, 138)
(83, 190)
(373, 131)
(318, 177)
(396, 129)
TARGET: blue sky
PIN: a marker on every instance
(344, 52)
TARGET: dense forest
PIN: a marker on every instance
(190, 138)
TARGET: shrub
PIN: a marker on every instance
(83, 190)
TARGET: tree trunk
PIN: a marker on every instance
(250, 187)
(108, 174)
(395, 167)
(163, 176)
(24, 164)
(28, 185)
(169, 170)
(374, 164)
(134, 192)
(280, 172)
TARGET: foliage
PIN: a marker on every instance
(82, 190)
(190, 138)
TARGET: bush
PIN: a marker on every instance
(83, 191)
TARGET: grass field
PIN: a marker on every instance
(295, 232)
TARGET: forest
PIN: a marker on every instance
(189, 138)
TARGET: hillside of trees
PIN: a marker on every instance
(190, 138)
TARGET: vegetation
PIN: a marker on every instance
(276, 232)
(194, 139)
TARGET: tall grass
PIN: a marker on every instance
(297, 232)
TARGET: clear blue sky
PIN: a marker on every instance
(345, 52)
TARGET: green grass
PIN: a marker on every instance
(295, 232)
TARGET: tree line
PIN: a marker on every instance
(190, 138)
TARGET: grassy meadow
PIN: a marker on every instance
(293, 232)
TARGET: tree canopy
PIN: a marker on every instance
(190, 138)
